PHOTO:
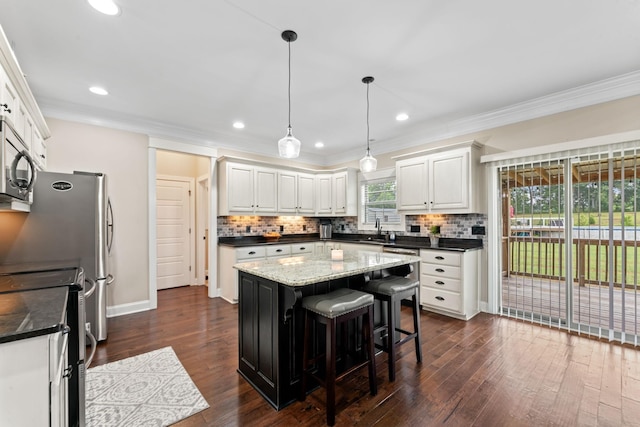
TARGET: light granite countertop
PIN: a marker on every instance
(306, 270)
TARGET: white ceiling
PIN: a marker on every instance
(188, 69)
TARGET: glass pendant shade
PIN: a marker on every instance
(368, 163)
(289, 146)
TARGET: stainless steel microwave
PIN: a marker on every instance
(18, 174)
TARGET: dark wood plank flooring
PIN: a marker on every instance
(489, 371)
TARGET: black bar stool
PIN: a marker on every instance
(333, 309)
(393, 289)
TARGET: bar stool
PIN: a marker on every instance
(333, 309)
(393, 289)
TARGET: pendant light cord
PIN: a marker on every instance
(367, 118)
(289, 90)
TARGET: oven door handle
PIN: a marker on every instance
(94, 346)
(90, 292)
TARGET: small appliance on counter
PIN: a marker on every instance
(325, 230)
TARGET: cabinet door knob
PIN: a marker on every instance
(439, 270)
(439, 298)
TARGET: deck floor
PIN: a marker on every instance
(592, 304)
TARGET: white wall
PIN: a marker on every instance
(122, 156)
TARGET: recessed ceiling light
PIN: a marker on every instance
(319, 144)
(98, 90)
(402, 117)
(108, 7)
(238, 125)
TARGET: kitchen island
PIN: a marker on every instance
(271, 320)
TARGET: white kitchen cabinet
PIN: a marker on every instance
(296, 193)
(412, 189)
(9, 100)
(444, 182)
(345, 193)
(360, 247)
(33, 390)
(247, 189)
(39, 149)
(324, 202)
(278, 251)
(449, 282)
(265, 190)
(307, 248)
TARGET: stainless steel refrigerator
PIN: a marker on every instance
(71, 219)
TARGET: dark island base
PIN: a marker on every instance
(271, 330)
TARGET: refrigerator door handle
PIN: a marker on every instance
(109, 279)
(90, 292)
(110, 225)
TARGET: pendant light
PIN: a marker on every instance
(368, 163)
(289, 146)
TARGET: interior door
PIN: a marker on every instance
(173, 233)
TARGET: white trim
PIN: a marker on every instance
(153, 251)
(129, 308)
(494, 243)
(202, 224)
(615, 138)
(180, 147)
(380, 174)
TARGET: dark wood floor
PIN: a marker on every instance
(489, 371)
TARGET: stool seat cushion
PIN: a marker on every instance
(337, 303)
(390, 285)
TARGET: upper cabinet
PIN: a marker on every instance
(18, 106)
(296, 193)
(443, 182)
(247, 188)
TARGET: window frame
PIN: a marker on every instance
(379, 175)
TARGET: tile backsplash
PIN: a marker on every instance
(452, 226)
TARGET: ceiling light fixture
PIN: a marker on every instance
(238, 125)
(98, 90)
(368, 163)
(289, 146)
(108, 7)
(319, 144)
(401, 117)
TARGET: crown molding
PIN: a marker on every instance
(582, 96)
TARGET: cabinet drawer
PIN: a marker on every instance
(251, 252)
(447, 283)
(441, 257)
(441, 299)
(278, 250)
(302, 248)
(440, 270)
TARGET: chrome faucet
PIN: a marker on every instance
(378, 226)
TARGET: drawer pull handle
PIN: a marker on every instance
(252, 253)
(439, 282)
(439, 298)
(440, 257)
(439, 270)
(278, 250)
(302, 248)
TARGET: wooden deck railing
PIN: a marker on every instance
(544, 257)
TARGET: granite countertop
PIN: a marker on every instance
(305, 270)
(407, 242)
(32, 313)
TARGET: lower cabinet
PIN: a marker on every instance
(449, 282)
(33, 389)
(228, 256)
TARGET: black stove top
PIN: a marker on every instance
(36, 276)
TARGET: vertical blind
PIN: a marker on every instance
(570, 230)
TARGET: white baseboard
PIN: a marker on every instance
(129, 308)
(484, 307)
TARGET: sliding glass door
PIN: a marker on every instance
(570, 230)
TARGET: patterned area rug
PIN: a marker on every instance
(152, 389)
